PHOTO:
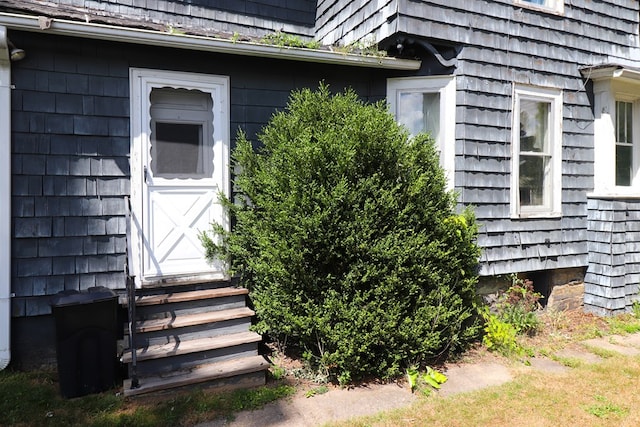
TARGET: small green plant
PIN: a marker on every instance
(514, 313)
(322, 389)
(277, 372)
(289, 40)
(431, 378)
(604, 408)
(635, 308)
(364, 47)
(499, 335)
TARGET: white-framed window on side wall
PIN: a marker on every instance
(536, 174)
(554, 6)
(616, 130)
(626, 164)
(428, 104)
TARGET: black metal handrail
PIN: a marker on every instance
(131, 297)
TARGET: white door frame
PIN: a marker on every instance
(141, 83)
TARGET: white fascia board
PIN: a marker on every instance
(5, 201)
(611, 72)
(199, 43)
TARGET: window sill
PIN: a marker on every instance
(631, 194)
(537, 215)
(540, 8)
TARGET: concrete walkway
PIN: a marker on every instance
(342, 404)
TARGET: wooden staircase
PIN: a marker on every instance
(193, 334)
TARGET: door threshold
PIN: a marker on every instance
(158, 282)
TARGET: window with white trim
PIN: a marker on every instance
(428, 104)
(624, 143)
(536, 182)
(556, 6)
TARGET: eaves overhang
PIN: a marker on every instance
(198, 43)
(611, 72)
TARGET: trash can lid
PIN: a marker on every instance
(91, 295)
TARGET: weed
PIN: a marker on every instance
(289, 40)
(635, 309)
(431, 378)
(604, 408)
(277, 372)
(365, 47)
(569, 362)
(499, 335)
(623, 324)
(317, 390)
(601, 352)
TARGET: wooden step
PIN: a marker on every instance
(189, 296)
(192, 346)
(186, 320)
(200, 374)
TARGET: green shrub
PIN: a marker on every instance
(348, 240)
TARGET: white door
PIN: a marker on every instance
(179, 166)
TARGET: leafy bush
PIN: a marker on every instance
(348, 240)
(518, 306)
(515, 312)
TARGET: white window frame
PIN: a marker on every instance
(607, 91)
(552, 6)
(553, 199)
(635, 142)
(446, 87)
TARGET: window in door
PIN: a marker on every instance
(181, 133)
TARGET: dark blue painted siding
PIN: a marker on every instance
(70, 145)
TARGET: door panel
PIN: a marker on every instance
(180, 149)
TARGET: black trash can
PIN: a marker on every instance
(86, 327)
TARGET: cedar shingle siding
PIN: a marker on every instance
(71, 141)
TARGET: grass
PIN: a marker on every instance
(32, 399)
(586, 395)
(602, 394)
(590, 394)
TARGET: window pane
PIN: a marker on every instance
(534, 125)
(181, 133)
(547, 3)
(533, 178)
(623, 164)
(177, 149)
(624, 122)
(420, 112)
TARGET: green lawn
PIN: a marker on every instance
(33, 399)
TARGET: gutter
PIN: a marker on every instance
(199, 43)
(5, 201)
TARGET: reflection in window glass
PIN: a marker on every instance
(420, 112)
(534, 177)
(624, 143)
(181, 133)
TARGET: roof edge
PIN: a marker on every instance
(610, 71)
(199, 43)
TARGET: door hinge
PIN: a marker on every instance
(144, 172)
